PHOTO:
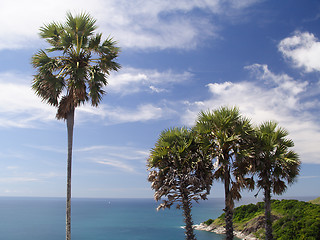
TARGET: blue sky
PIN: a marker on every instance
(178, 57)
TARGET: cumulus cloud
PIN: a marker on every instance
(303, 49)
(138, 24)
(272, 96)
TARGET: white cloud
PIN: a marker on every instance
(140, 24)
(275, 97)
(123, 158)
(157, 90)
(243, 4)
(117, 164)
(19, 106)
(142, 113)
(122, 152)
(303, 49)
(117, 114)
(133, 80)
(17, 179)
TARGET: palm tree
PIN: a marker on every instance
(75, 73)
(180, 172)
(274, 164)
(226, 134)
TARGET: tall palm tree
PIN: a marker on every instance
(72, 71)
(180, 172)
(226, 134)
(274, 164)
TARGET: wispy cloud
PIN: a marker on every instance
(133, 80)
(17, 179)
(122, 158)
(21, 108)
(135, 24)
(308, 177)
(303, 49)
(47, 148)
(111, 115)
(116, 164)
(124, 152)
(143, 113)
(272, 96)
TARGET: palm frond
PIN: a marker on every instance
(80, 63)
(48, 87)
(96, 83)
(94, 42)
(275, 162)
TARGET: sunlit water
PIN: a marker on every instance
(100, 219)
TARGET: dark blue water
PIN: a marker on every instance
(99, 219)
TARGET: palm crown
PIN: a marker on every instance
(225, 133)
(179, 165)
(274, 161)
(274, 164)
(75, 72)
(180, 172)
(78, 66)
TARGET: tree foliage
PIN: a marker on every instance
(298, 220)
(74, 68)
(72, 71)
(180, 172)
(225, 134)
(275, 164)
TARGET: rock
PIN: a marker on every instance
(222, 230)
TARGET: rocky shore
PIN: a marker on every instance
(221, 230)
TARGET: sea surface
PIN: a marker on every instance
(28, 218)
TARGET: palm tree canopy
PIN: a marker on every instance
(274, 161)
(224, 129)
(226, 133)
(177, 165)
(74, 68)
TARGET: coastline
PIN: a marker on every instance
(221, 230)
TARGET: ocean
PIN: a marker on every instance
(28, 218)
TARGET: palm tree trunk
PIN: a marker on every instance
(267, 208)
(186, 204)
(228, 205)
(70, 124)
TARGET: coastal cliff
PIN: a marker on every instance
(292, 219)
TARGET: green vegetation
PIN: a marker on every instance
(292, 219)
(240, 154)
(315, 201)
(73, 71)
(275, 164)
(179, 172)
(225, 135)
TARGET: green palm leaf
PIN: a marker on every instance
(72, 71)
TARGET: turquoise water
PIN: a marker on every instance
(99, 219)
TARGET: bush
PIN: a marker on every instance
(208, 222)
(299, 220)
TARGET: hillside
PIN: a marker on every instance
(315, 201)
(292, 219)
